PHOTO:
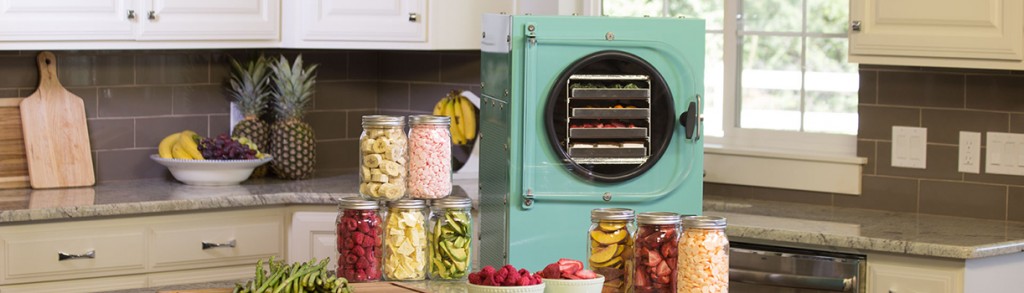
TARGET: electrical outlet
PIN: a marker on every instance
(909, 147)
(970, 152)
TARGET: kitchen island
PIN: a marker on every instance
(884, 234)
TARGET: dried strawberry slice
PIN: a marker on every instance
(551, 271)
(586, 274)
(653, 258)
(570, 266)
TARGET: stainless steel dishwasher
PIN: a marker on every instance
(775, 269)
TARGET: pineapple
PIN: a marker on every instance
(250, 88)
(291, 140)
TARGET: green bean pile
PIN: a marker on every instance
(297, 277)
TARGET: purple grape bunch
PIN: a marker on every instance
(223, 147)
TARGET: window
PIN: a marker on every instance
(776, 75)
(780, 96)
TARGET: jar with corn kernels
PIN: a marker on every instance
(703, 256)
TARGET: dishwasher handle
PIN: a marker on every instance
(792, 281)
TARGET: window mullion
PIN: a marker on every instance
(731, 60)
(803, 63)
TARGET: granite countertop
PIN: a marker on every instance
(866, 230)
(749, 220)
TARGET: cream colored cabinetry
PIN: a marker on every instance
(312, 235)
(128, 24)
(899, 274)
(138, 252)
(401, 24)
(948, 33)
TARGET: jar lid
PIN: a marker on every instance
(429, 119)
(453, 202)
(703, 222)
(611, 214)
(658, 218)
(383, 120)
(408, 204)
(354, 203)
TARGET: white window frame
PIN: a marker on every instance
(808, 161)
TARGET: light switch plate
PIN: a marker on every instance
(970, 152)
(1004, 153)
(909, 147)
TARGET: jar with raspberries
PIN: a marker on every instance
(430, 157)
(451, 238)
(405, 241)
(610, 247)
(359, 230)
(655, 246)
(703, 256)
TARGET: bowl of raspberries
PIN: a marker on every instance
(504, 280)
(568, 276)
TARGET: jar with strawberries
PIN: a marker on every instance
(359, 240)
(610, 247)
(655, 246)
(430, 157)
(703, 256)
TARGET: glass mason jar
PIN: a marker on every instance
(359, 240)
(405, 241)
(382, 161)
(703, 255)
(430, 157)
(610, 247)
(655, 245)
(451, 238)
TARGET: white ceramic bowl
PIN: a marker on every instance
(505, 289)
(574, 286)
(211, 172)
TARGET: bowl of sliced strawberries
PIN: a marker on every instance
(568, 276)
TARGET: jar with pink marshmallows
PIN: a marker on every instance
(430, 157)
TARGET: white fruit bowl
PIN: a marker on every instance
(574, 286)
(539, 288)
(211, 172)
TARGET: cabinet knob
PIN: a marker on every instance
(62, 256)
(413, 17)
(855, 25)
(208, 245)
(131, 14)
(152, 15)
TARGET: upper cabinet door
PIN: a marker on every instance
(960, 29)
(210, 20)
(66, 20)
(361, 20)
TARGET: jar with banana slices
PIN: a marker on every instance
(382, 158)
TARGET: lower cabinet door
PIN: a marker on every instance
(68, 253)
(897, 274)
(229, 239)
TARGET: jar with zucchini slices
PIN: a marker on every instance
(382, 158)
(451, 239)
(610, 247)
(405, 241)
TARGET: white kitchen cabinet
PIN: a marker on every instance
(399, 24)
(899, 274)
(312, 235)
(949, 33)
(138, 24)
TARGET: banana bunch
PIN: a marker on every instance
(182, 145)
(462, 114)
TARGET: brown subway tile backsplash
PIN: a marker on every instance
(220, 124)
(1015, 204)
(768, 193)
(1016, 123)
(337, 154)
(410, 66)
(19, 72)
(876, 122)
(941, 164)
(105, 134)
(114, 69)
(9, 93)
(393, 95)
(127, 165)
(460, 67)
(88, 95)
(355, 122)
(866, 149)
(423, 97)
(344, 95)
(75, 70)
(868, 92)
(995, 92)
(926, 89)
(172, 68)
(331, 66)
(963, 199)
(134, 101)
(362, 65)
(328, 124)
(150, 130)
(200, 99)
(883, 193)
(944, 126)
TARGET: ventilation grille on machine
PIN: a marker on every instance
(609, 118)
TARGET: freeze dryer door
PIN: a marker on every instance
(610, 110)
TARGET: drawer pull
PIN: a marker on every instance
(208, 245)
(62, 256)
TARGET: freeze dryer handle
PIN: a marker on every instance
(690, 120)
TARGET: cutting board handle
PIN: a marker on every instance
(48, 70)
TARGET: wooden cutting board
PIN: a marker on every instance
(56, 135)
(13, 167)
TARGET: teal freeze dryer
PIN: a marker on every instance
(581, 113)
